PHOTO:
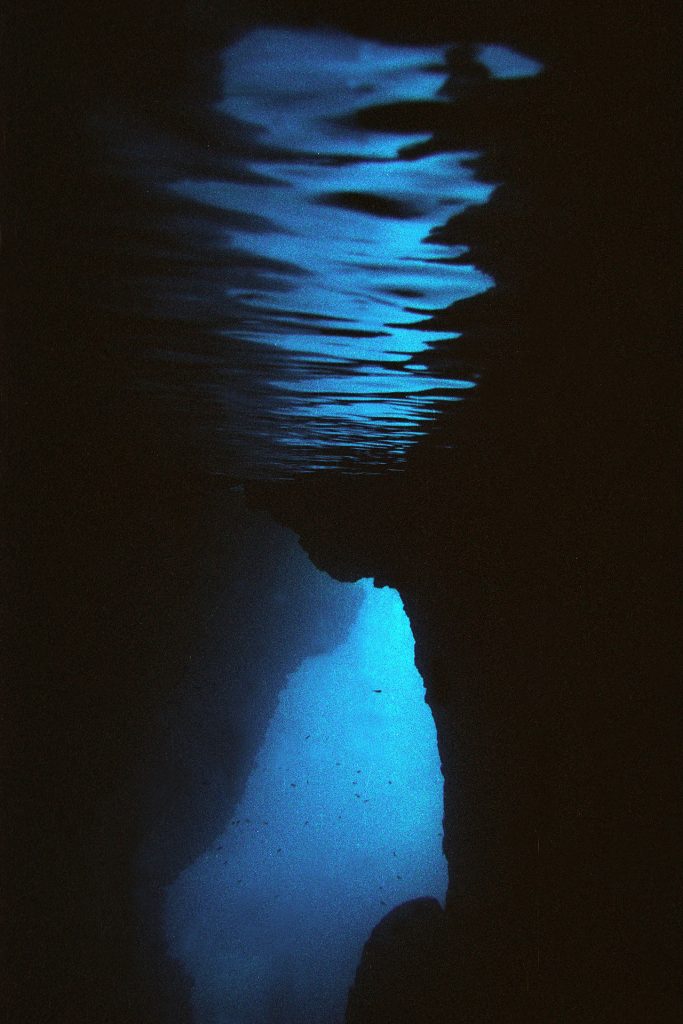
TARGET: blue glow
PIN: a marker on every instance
(331, 832)
(505, 63)
(285, 80)
(347, 216)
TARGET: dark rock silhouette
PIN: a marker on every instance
(401, 967)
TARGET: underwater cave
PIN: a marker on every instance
(340, 446)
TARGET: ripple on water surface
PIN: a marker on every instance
(328, 228)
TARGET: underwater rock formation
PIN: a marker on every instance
(527, 540)
(402, 965)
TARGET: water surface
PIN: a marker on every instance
(323, 261)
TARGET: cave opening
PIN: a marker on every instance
(340, 820)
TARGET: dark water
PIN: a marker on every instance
(303, 255)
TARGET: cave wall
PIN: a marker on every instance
(543, 633)
(528, 538)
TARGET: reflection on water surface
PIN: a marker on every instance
(298, 253)
(331, 260)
